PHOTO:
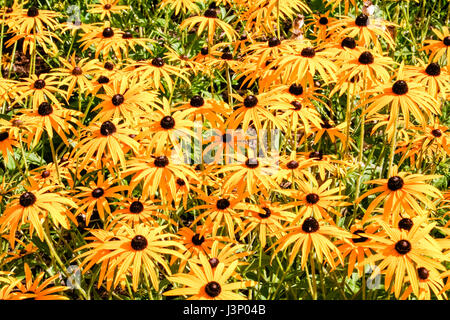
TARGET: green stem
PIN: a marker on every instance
(55, 160)
(313, 274)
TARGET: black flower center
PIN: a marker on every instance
(107, 6)
(139, 243)
(348, 42)
(403, 246)
(395, 183)
(227, 56)
(39, 84)
(204, 51)
(117, 99)
(210, 13)
(308, 52)
(97, 193)
(107, 128)
(252, 163)
(33, 12)
(436, 132)
(266, 214)
(127, 35)
(433, 69)
(136, 207)
(423, 273)
(405, 224)
(213, 262)
(310, 225)
(359, 238)
(213, 289)
(250, 101)
(103, 80)
(27, 199)
(108, 32)
(9, 10)
(273, 42)
(45, 174)
(362, 20)
(167, 122)
(447, 41)
(161, 161)
(366, 58)
(312, 198)
(4, 135)
(222, 204)
(197, 239)
(323, 20)
(292, 165)
(180, 182)
(317, 155)
(197, 101)
(297, 105)
(77, 71)
(158, 62)
(109, 66)
(296, 89)
(45, 109)
(400, 87)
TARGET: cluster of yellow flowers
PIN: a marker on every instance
(136, 190)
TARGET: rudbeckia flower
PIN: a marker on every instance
(316, 201)
(107, 138)
(404, 95)
(95, 197)
(430, 281)
(265, 218)
(156, 69)
(366, 29)
(401, 190)
(166, 129)
(33, 207)
(196, 240)
(37, 290)
(357, 248)
(249, 174)
(33, 19)
(126, 98)
(435, 79)
(309, 234)
(102, 37)
(106, 8)
(404, 251)
(199, 108)
(50, 118)
(210, 21)
(137, 211)
(40, 89)
(205, 283)
(220, 209)
(439, 48)
(181, 5)
(302, 64)
(7, 140)
(136, 251)
(253, 109)
(226, 255)
(76, 74)
(158, 173)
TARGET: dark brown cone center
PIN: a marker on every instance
(139, 243)
(310, 225)
(213, 289)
